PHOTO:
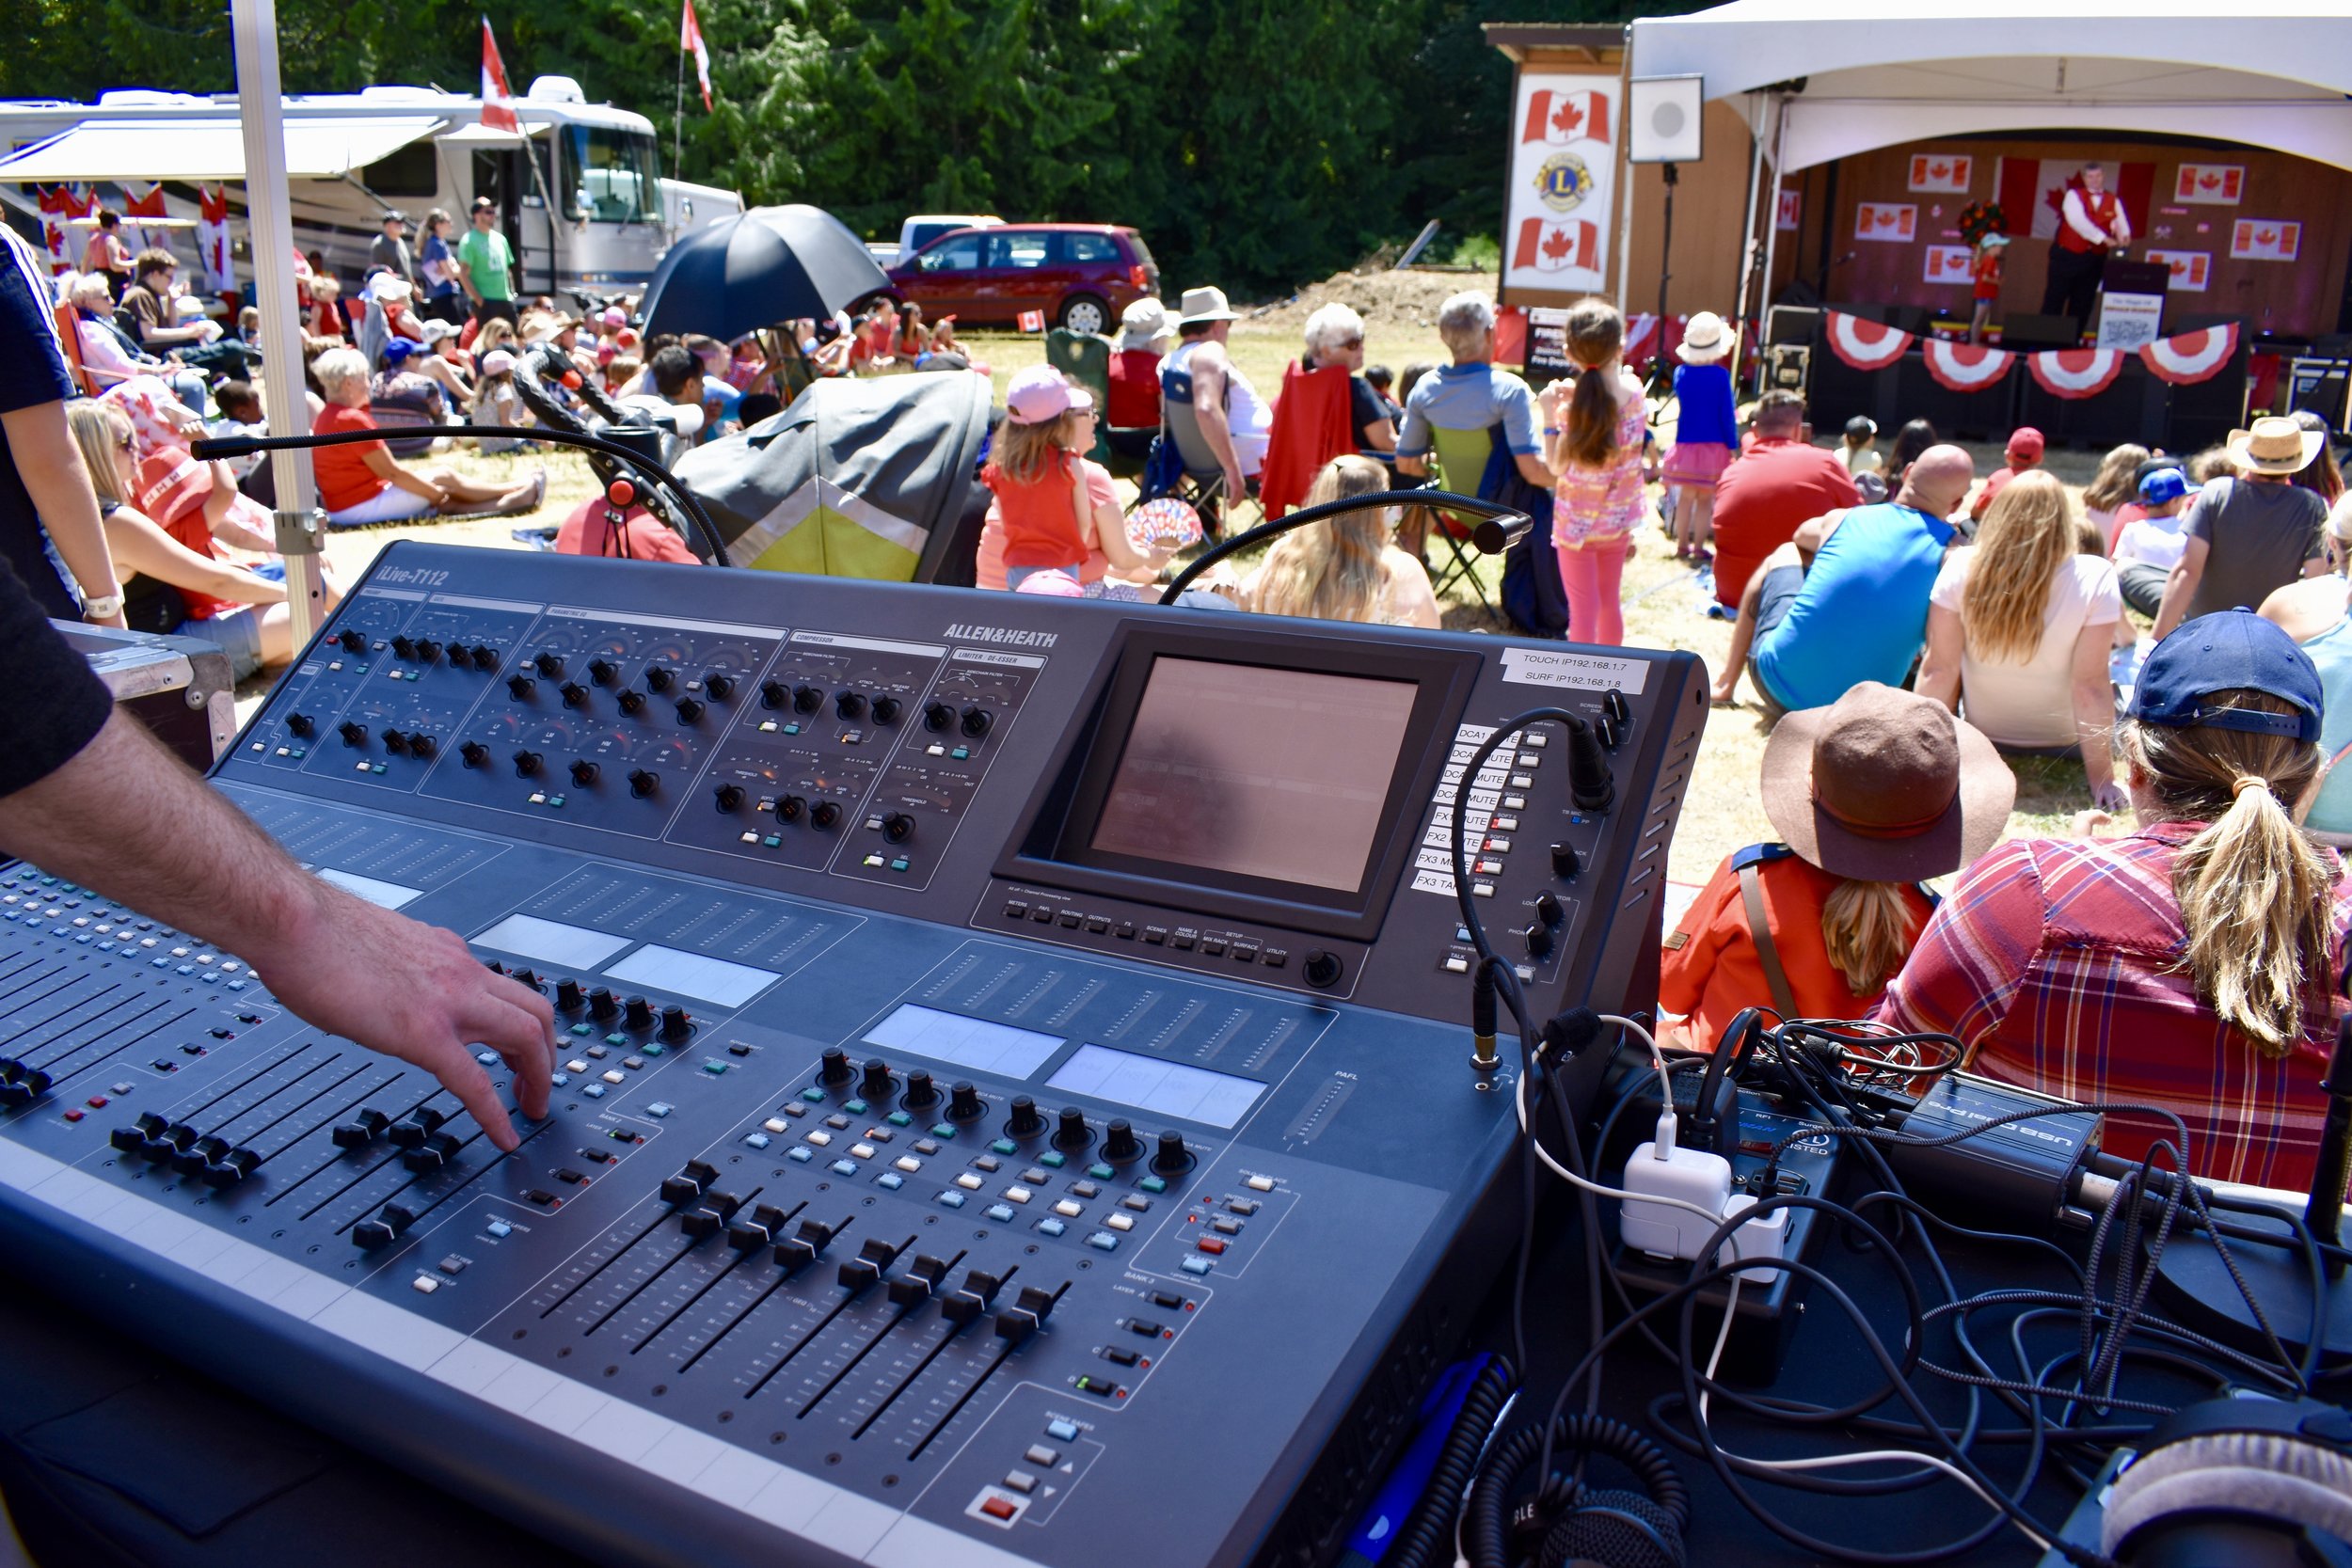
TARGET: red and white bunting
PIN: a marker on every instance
(1864, 345)
(1966, 366)
(2077, 372)
(2187, 357)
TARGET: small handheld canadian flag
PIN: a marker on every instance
(1031, 321)
(1550, 247)
(498, 98)
(1560, 117)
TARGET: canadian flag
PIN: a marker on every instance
(1562, 118)
(2030, 191)
(1864, 345)
(2076, 373)
(2211, 184)
(2265, 240)
(2189, 269)
(1948, 263)
(1030, 321)
(1893, 222)
(59, 207)
(1963, 367)
(498, 98)
(1555, 246)
(1940, 171)
(2187, 357)
(1791, 208)
(690, 38)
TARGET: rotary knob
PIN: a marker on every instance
(602, 1005)
(773, 694)
(1539, 939)
(642, 782)
(825, 813)
(1565, 863)
(1548, 909)
(354, 641)
(887, 710)
(720, 687)
(938, 715)
(976, 722)
(403, 647)
(1173, 1156)
(567, 995)
(675, 1025)
(660, 678)
(485, 657)
(603, 671)
(964, 1103)
(690, 710)
(527, 764)
(631, 701)
(898, 826)
(522, 686)
(395, 743)
(474, 753)
(921, 1091)
(1323, 969)
(638, 1013)
(806, 698)
(301, 725)
(849, 705)
(1026, 1122)
(527, 977)
(550, 665)
(584, 771)
(834, 1069)
(427, 650)
(1119, 1142)
(354, 733)
(1612, 702)
(730, 797)
(878, 1084)
(422, 745)
(790, 808)
(574, 693)
(1070, 1129)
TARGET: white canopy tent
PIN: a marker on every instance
(2278, 74)
(208, 149)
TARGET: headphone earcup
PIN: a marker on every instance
(2252, 1475)
(1612, 1529)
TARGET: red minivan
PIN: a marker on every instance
(1081, 276)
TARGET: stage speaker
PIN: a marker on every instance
(1912, 319)
(1787, 367)
(1790, 324)
(2033, 332)
(2322, 387)
(1663, 123)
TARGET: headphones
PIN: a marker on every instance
(2254, 1482)
(1575, 1523)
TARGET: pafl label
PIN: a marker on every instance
(1585, 672)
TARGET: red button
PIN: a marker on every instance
(98, 1103)
(999, 1508)
(75, 1114)
(1212, 1245)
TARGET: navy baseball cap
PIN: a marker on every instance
(2230, 650)
(2164, 484)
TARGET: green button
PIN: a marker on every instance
(899, 865)
(792, 729)
(961, 753)
(897, 1118)
(814, 1096)
(944, 1132)
(1004, 1146)
(1101, 1172)
(617, 1038)
(376, 768)
(1053, 1160)
(302, 751)
(855, 1107)
(583, 1028)
(555, 800)
(1152, 1184)
(771, 841)
(653, 1048)
(715, 1068)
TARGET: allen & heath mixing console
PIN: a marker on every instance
(1015, 1093)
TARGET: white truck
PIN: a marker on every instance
(922, 228)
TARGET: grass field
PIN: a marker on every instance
(1664, 603)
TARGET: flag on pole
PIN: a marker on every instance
(690, 38)
(498, 98)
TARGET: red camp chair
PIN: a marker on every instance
(70, 339)
(1311, 426)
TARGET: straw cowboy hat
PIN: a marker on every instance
(1205, 304)
(1706, 340)
(2274, 446)
(1884, 786)
(1143, 324)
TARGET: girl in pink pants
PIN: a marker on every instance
(1592, 440)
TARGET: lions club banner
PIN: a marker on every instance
(1564, 170)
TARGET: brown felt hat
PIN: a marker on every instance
(1885, 787)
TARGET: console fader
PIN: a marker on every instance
(1014, 1105)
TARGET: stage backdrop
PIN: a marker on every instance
(2263, 236)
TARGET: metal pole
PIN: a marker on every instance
(253, 26)
(1771, 227)
(1747, 226)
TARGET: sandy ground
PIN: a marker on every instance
(1664, 603)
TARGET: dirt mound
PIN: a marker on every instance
(1389, 298)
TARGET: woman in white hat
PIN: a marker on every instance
(1707, 431)
(1144, 336)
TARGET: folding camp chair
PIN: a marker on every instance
(1087, 360)
(1313, 424)
(1462, 457)
(69, 339)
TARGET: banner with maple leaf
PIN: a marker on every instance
(2265, 240)
(2210, 185)
(2191, 270)
(1945, 173)
(1558, 119)
(1560, 229)
(1889, 222)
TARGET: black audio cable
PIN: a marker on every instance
(1426, 1538)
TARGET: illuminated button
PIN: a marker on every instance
(755, 1140)
(575, 1065)
(1051, 1227)
(659, 1108)
(845, 1168)
(1000, 1507)
(968, 1181)
(774, 1124)
(1261, 1183)
(1212, 1245)
(1120, 1222)
(1102, 1240)
(799, 1156)
(951, 1198)
(899, 1119)
(1488, 868)
(560, 1079)
(1100, 1173)
(1018, 1195)
(890, 1180)
(880, 1134)
(593, 1091)
(818, 1136)
(1068, 1209)
(616, 1076)
(1053, 1159)
(424, 1285)
(862, 1152)
(1499, 846)
(1152, 1184)
(907, 1164)
(1507, 823)
(998, 1213)
(1062, 1432)
(1005, 1146)
(1196, 1264)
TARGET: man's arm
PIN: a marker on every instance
(1813, 533)
(51, 467)
(463, 272)
(2180, 586)
(1208, 406)
(381, 465)
(2077, 218)
(128, 819)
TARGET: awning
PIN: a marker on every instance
(208, 149)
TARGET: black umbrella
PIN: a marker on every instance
(764, 266)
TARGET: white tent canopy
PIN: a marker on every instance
(2276, 76)
(207, 149)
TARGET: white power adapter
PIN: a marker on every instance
(1681, 1176)
(1765, 1236)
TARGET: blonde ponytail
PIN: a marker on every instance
(2255, 892)
(1868, 930)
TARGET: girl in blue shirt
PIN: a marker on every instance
(1707, 431)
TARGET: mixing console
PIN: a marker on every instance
(1014, 1094)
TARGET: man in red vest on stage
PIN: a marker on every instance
(2090, 222)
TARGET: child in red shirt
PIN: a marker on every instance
(1051, 522)
(1985, 267)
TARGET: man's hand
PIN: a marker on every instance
(415, 992)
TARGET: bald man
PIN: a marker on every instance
(1846, 600)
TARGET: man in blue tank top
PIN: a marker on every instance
(1847, 599)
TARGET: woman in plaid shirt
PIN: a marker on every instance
(2188, 965)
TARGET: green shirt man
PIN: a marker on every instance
(489, 260)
